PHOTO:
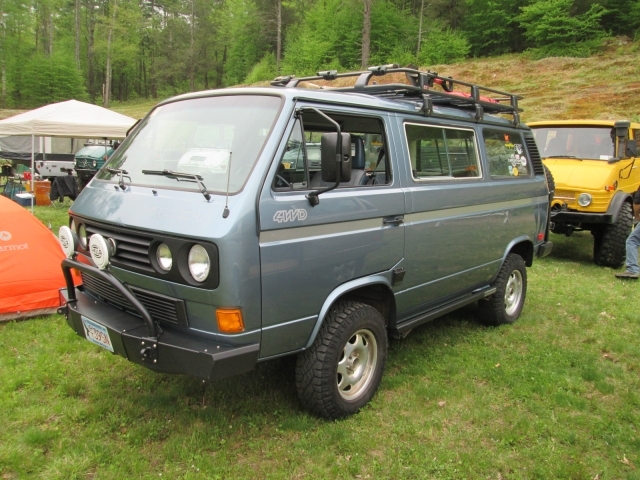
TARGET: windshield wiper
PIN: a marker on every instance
(189, 177)
(121, 174)
(563, 156)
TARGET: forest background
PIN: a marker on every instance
(125, 50)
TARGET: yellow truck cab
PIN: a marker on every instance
(593, 164)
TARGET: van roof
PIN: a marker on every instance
(477, 104)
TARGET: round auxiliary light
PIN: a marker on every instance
(584, 199)
(199, 263)
(163, 255)
(82, 235)
(101, 250)
(68, 240)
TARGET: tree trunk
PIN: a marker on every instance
(3, 71)
(107, 73)
(152, 54)
(50, 21)
(420, 29)
(192, 80)
(90, 53)
(366, 33)
(279, 35)
(77, 52)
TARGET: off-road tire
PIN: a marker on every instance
(551, 183)
(506, 304)
(353, 328)
(610, 249)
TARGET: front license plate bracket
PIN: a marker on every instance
(96, 333)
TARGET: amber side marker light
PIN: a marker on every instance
(230, 320)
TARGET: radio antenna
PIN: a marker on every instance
(225, 213)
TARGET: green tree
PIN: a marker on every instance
(492, 28)
(443, 45)
(49, 79)
(551, 29)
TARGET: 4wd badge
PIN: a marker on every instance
(290, 215)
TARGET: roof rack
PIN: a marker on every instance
(421, 87)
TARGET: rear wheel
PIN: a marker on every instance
(342, 370)
(609, 246)
(506, 304)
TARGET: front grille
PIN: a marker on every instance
(566, 196)
(132, 250)
(160, 307)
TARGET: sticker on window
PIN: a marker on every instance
(200, 160)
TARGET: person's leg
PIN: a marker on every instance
(633, 242)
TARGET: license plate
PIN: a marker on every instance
(96, 333)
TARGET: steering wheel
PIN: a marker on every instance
(281, 180)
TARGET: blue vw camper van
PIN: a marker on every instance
(239, 225)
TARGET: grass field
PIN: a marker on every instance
(556, 395)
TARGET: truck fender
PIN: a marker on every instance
(614, 207)
(383, 278)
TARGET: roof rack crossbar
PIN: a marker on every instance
(421, 86)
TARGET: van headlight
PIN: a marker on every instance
(163, 255)
(199, 263)
(68, 240)
(584, 199)
(82, 236)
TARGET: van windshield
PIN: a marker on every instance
(591, 143)
(200, 136)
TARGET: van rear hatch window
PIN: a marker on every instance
(200, 136)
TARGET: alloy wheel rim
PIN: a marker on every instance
(513, 293)
(357, 364)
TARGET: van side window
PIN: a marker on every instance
(438, 152)
(292, 173)
(369, 159)
(506, 154)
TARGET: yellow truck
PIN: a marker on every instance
(594, 172)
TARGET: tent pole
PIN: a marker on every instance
(33, 170)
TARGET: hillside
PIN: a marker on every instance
(604, 86)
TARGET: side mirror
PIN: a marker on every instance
(631, 149)
(328, 151)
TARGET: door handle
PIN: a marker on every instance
(393, 220)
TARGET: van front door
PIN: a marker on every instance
(307, 252)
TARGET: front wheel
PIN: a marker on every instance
(342, 370)
(609, 246)
(506, 304)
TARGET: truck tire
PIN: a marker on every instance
(551, 183)
(506, 304)
(609, 245)
(342, 370)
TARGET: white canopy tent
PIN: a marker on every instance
(72, 119)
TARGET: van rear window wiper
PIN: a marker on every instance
(180, 176)
(563, 156)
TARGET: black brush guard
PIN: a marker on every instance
(140, 339)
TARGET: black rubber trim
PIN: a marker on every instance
(544, 249)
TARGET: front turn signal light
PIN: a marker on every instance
(229, 320)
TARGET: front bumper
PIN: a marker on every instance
(567, 216)
(140, 340)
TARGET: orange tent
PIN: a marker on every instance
(30, 257)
